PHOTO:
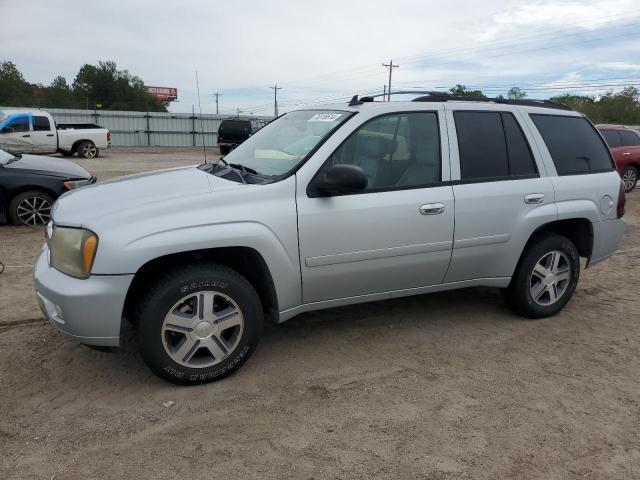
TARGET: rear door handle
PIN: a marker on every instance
(431, 209)
(534, 198)
(626, 153)
(26, 136)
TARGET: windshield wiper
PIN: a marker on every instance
(242, 168)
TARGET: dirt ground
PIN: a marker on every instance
(442, 386)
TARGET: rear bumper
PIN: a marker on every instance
(607, 236)
(89, 310)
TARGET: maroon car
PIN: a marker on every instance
(624, 143)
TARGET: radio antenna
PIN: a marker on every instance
(204, 149)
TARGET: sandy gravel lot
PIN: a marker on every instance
(441, 386)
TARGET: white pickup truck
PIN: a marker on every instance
(35, 131)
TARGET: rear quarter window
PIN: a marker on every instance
(574, 144)
(611, 137)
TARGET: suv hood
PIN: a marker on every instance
(57, 167)
(148, 194)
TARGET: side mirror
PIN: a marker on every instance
(7, 130)
(340, 179)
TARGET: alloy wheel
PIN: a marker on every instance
(629, 178)
(33, 211)
(89, 150)
(550, 278)
(202, 329)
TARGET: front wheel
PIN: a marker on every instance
(198, 324)
(629, 178)
(546, 277)
(31, 208)
(224, 150)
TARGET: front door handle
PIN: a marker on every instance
(534, 198)
(431, 209)
(49, 134)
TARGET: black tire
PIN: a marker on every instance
(518, 295)
(87, 149)
(18, 217)
(172, 288)
(224, 149)
(67, 153)
(629, 178)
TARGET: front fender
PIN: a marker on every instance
(281, 261)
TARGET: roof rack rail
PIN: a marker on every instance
(445, 97)
(435, 96)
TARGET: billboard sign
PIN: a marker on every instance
(164, 94)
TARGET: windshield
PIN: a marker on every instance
(5, 157)
(280, 146)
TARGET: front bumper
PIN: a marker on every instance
(89, 310)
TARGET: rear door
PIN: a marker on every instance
(43, 135)
(397, 234)
(501, 191)
(614, 142)
(15, 134)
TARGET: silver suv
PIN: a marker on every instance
(331, 206)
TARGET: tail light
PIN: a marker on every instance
(622, 200)
(108, 136)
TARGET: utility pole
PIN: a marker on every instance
(384, 92)
(275, 99)
(216, 95)
(390, 66)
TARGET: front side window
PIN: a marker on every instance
(492, 147)
(19, 124)
(41, 124)
(629, 139)
(394, 151)
(574, 144)
(279, 147)
(612, 138)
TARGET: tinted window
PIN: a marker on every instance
(394, 150)
(20, 124)
(41, 124)
(482, 145)
(629, 139)
(521, 162)
(573, 144)
(612, 138)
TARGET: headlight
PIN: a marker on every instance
(73, 250)
(73, 184)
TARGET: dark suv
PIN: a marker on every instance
(233, 131)
(624, 143)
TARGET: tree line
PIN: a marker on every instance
(621, 107)
(100, 86)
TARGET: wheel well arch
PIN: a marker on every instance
(74, 147)
(247, 261)
(578, 230)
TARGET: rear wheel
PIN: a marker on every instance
(66, 153)
(546, 277)
(87, 149)
(31, 208)
(198, 324)
(629, 178)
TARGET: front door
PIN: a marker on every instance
(15, 134)
(395, 235)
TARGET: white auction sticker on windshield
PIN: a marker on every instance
(325, 117)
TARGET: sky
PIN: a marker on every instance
(320, 51)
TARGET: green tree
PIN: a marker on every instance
(622, 107)
(516, 93)
(461, 91)
(14, 89)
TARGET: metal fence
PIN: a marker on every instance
(148, 128)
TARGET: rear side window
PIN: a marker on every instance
(629, 139)
(574, 145)
(41, 124)
(492, 146)
(612, 138)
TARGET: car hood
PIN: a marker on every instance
(58, 167)
(125, 198)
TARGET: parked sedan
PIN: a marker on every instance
(30, 184)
